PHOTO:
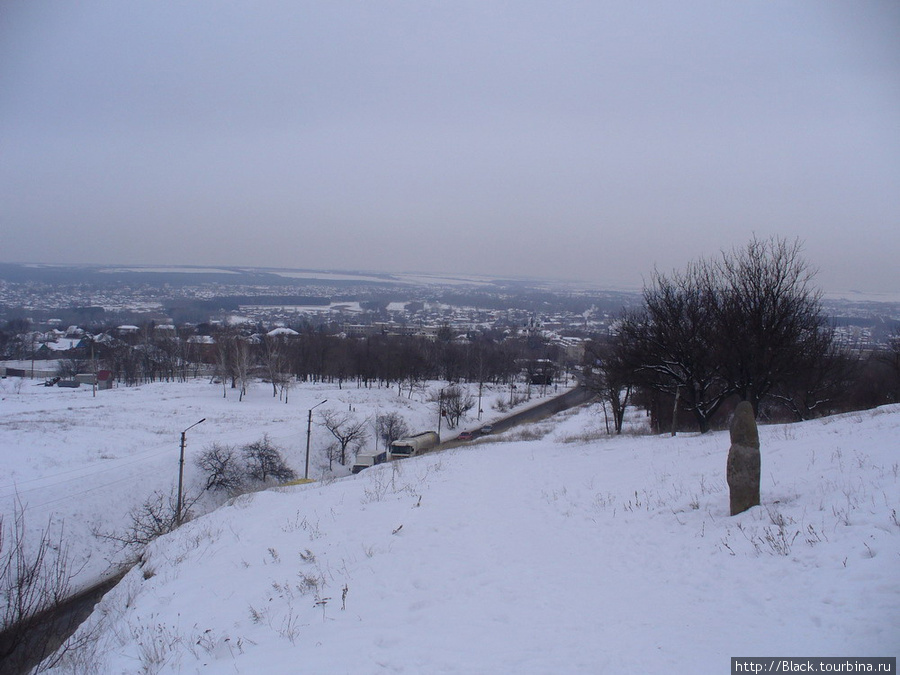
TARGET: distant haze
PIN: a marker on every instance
(581, 140)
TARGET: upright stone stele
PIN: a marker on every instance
(743, 468)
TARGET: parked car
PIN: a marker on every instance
(465, 436)
(487, 429)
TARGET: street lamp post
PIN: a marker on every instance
(308, 433)
(180, 502)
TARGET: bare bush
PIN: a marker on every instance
(608, 372)
(264, 462)
(221, 464)
(69, 368)
(35, 580)
(156, 516)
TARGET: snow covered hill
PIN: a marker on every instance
(82, 462)
(568, 553)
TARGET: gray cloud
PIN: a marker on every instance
(583, 140)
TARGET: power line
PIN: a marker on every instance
(119, 463)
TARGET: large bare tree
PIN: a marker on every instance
(275, 361)
(769, 319)
(390, 427)
(745, 325)
(455, 404)
(349, 433)
(672, 343)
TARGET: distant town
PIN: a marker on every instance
(65, 301)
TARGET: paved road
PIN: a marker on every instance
(570, 399)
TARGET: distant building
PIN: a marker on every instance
(282, 332)
(59, 348)
(204, 346)
(104, 379)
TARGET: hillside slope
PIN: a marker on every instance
(84, 462)
(566, 554)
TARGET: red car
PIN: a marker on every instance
(465, 436)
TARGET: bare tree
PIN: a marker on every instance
(390, 427)
(70, 367)
(744, 325)
(223, 469)
(818, 388)
(155, 516)
(243, 361)
(349, 433)
(608, 373)
(264, 462)
(891, 357)
(769, 322)
(456, 403)
(225, 362)
(275, 360)
(672, 342)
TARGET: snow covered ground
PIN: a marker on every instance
(84, 461)
(554, 550)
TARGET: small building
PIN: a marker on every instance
(204, 347)
(104, 379)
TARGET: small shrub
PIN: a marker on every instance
(264, 462)
(222, 466)
(587, 436)
(35, 577)
(156, 516)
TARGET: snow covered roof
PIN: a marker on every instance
(63, 344)
(282, 331)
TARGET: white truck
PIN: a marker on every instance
(366, 459)
(402, 447)
(414, 445)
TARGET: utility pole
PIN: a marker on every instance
(94, 368)
(675, 411)
(180, 501)
(480, 382)
(440, 409)
(308, 433)
(480, 386)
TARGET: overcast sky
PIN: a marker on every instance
(581, 140)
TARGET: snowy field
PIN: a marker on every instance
(84, 461)
(554, 550)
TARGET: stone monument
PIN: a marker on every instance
(743, 469)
